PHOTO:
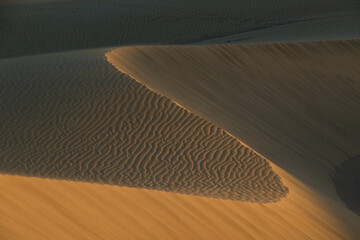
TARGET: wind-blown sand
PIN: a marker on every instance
(89, 152)
(43, 208)
(69, 118)
(295, 103)
(33, 208)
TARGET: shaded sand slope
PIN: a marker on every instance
(30, 27)
(52, 209)
(347, 182)
(298, 104)
(74, 116)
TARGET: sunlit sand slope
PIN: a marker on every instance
(41, 208)
(34, 208)
(83, 120)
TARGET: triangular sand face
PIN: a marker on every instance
(52, 209)
(298, 104)
(305, 96)
(73, 116)
(99, 125)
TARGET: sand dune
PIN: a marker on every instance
(61, 119)
(30, 27)
(34, 208)
(83, 84)
(72, 116)
(296, 103)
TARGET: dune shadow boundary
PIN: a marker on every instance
(73, 116)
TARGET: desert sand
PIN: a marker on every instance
(296, 103)
(85, 121)
(292, 102)
(34, 208)
(65, 114)
(31, 27)
(214, 140)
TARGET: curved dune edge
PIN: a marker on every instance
(295, 103)
(192, 76)
(105, 127)
(53, 209)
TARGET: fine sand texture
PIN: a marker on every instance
(179, 142)
(68, 118)
(30, 27)
(63, 107)
(34, 208)
(298, 104)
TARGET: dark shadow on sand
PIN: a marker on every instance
(347, 182)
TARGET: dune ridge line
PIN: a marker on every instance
(47, 208)
(105, 127)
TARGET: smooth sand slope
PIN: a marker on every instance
(296, 103)
(69, 118)
(30, 27)
(69, 123)
(34, 208)
(73, 116)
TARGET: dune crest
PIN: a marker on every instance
(52, 209)
(295, 103)
(107, 128)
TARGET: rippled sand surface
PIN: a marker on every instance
(69, 118)
(105, 134)
(45, 208)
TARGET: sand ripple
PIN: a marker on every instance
(67, 118)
